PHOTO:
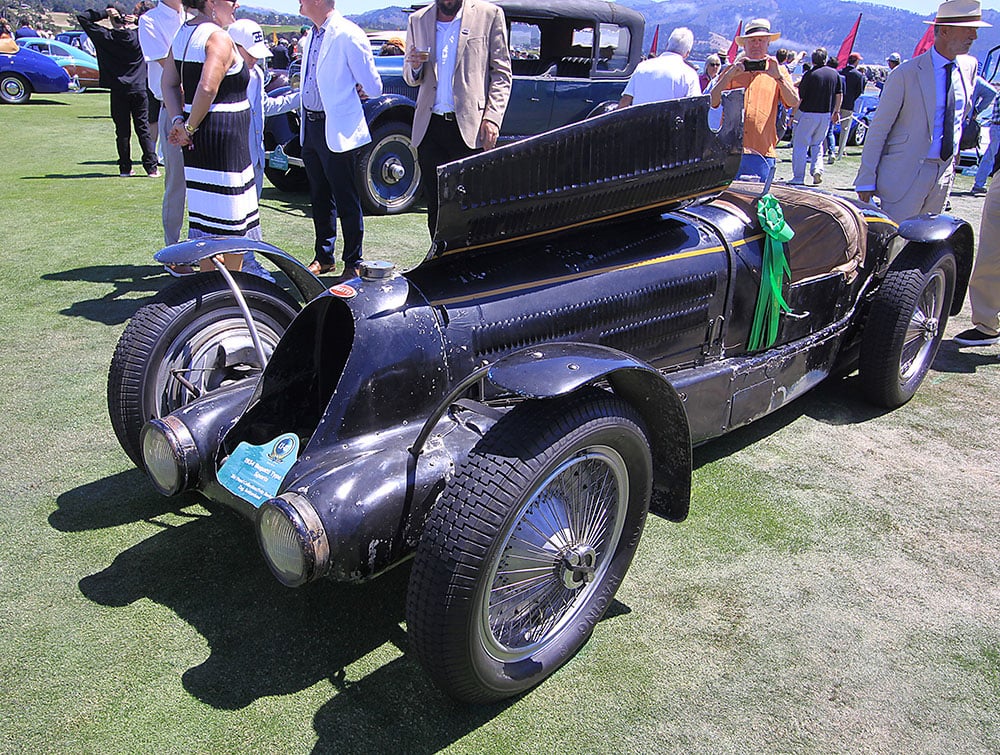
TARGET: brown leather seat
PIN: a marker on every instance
(830, 235)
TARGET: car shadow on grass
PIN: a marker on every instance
(36, 101)
(952, 358)
(121, 302)
(265, 639)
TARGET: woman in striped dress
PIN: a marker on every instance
(205, 92)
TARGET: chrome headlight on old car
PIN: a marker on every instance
(169, 454)
(293, 539)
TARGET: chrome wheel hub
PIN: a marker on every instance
(554, 555)
(393, 171)
(578, 566)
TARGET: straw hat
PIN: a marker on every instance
(959, 13)
(761, 27)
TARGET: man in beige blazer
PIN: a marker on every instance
(909, 153)
(459, 59)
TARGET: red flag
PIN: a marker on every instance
(848, 44)
(926, 41)
(656, 37)
(734, 47)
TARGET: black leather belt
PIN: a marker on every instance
(315, 115)
(446, 116)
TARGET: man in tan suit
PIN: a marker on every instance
(459, 59)
(909, 154)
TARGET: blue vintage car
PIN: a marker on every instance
(81, 66)
(570, 59)
(26, 72)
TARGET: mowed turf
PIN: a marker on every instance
(836, 587)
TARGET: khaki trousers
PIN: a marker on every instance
(984, 286)
(845, 131)
(927, 193)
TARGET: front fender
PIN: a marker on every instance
(953, 232)
(193, 251)
(375, 107)
(605, 107)
(561, 368)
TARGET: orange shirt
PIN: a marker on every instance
(760, 110)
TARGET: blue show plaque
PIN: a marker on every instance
(254, 473)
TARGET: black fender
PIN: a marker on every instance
(193, 251)
(954, 232)
(376, 107)
(560, 368)
(604, 107)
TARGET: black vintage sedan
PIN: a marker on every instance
(597, 300)
(570, 60)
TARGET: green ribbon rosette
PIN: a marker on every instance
(774, 271)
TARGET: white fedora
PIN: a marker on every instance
(959, 13)
(759, 27)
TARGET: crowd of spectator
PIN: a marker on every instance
(205, 103)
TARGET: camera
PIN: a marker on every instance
(755, 65)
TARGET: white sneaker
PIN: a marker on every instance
(817, 179)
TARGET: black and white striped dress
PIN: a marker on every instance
(221, 193)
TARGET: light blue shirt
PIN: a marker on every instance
(310, 89)
(446, 46)
(958, 84)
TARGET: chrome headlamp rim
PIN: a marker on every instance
(309, 532)
(182, 448)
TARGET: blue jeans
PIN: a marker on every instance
(754, 165)
(986, 163)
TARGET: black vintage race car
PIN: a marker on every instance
(597, 300)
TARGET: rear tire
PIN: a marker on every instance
(527, 545)
(14, 89)
(905, 325)
(193, 328)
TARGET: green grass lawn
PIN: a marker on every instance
(835, 589)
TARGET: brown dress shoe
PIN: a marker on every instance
(318, 268)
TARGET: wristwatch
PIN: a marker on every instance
(189, 128)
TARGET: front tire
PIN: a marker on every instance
(905, 325)
(527, 545)
(388, 175)
(14, 89)
(194, 330)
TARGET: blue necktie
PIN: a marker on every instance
(948, 128)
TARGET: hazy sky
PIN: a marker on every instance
(351, 7)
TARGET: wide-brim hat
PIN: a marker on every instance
(960, 13)
(248, 35)
(759, 27)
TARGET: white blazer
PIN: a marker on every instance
(345, 60)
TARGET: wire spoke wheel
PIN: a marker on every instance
(557, 550)
(925, 326)
(527, 545)
(904, 328)
(191, 340)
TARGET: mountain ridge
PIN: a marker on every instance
(804, 24)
